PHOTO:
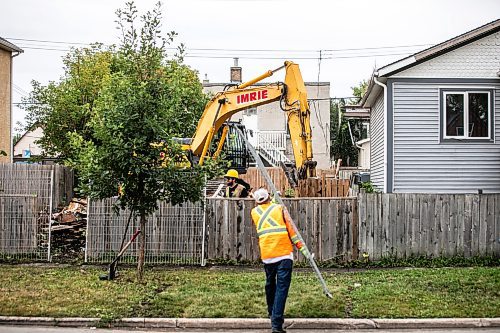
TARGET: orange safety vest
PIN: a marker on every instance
(274, 232)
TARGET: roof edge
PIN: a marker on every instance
(441, 48)
(6, 45)
(372, 92)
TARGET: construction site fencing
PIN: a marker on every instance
(174, 234)
(26, 200)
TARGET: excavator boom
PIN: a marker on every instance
(293, 101)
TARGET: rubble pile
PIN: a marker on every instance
(68, 231)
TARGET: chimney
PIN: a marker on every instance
(205, 80)
(236, 72)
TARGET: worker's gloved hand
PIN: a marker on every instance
(305, 252)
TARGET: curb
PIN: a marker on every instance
(255, 323)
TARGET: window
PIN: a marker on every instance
(467, 114)
(250, 112)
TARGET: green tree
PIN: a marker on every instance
(116, 110)
(141, 107)
(359, 91)
(15, 138)
(66, 106)
(342, 146)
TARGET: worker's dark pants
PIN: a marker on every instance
(278, 278)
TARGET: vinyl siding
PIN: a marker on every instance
(377, 144)
(422, 163)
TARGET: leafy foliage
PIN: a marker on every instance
(112, 104)
(141, 107)
(67, 106)
(368, 187)
(341, 143)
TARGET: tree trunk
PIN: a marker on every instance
(142, 248)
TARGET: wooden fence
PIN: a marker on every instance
(403, 225)
(27, 194)
(20, 225)
(371, 226)
(255, 179)
(35, 179)
(328, 226)
(323, 186)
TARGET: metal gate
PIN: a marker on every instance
(174, 234)
(25, 206)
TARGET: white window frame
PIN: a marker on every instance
(465, 93)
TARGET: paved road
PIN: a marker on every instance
(32, 329)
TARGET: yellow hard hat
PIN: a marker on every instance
(231, 173)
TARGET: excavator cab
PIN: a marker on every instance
(234, 146)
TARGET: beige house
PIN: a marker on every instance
(268, 123)
(7, 52)
(26, 148)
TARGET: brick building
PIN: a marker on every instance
(7, 52)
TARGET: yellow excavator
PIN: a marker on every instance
(214, 126)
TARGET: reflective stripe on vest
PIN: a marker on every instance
(236, 193)
(272, 226)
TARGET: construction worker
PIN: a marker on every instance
(276, 236)
(235, 187)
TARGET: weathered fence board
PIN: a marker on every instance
(35, 179)
(39, 181)
(496, 246)
(24, 227)
(326, 225)
(323, 187)
(429, 225)
(256, 180)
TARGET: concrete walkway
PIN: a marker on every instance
(259, 323)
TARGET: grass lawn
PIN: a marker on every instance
(216, 292)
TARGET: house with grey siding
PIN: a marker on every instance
(435, 117)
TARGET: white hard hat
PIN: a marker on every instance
(261, 195)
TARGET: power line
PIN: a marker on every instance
(244, 50)
(45, 41)
(208, 56)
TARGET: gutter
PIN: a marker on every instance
(375, 76)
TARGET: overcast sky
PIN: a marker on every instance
(354, 36)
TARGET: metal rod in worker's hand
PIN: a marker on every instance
(277, 197)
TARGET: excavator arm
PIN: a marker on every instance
(293, 100)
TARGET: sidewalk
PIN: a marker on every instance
(258, 323)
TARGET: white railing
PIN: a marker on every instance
(270, 152)
(273, 139)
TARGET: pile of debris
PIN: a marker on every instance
(68, 230)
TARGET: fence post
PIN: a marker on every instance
(203, 231)
(87, 231)
(49, 255)
(355, 229)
